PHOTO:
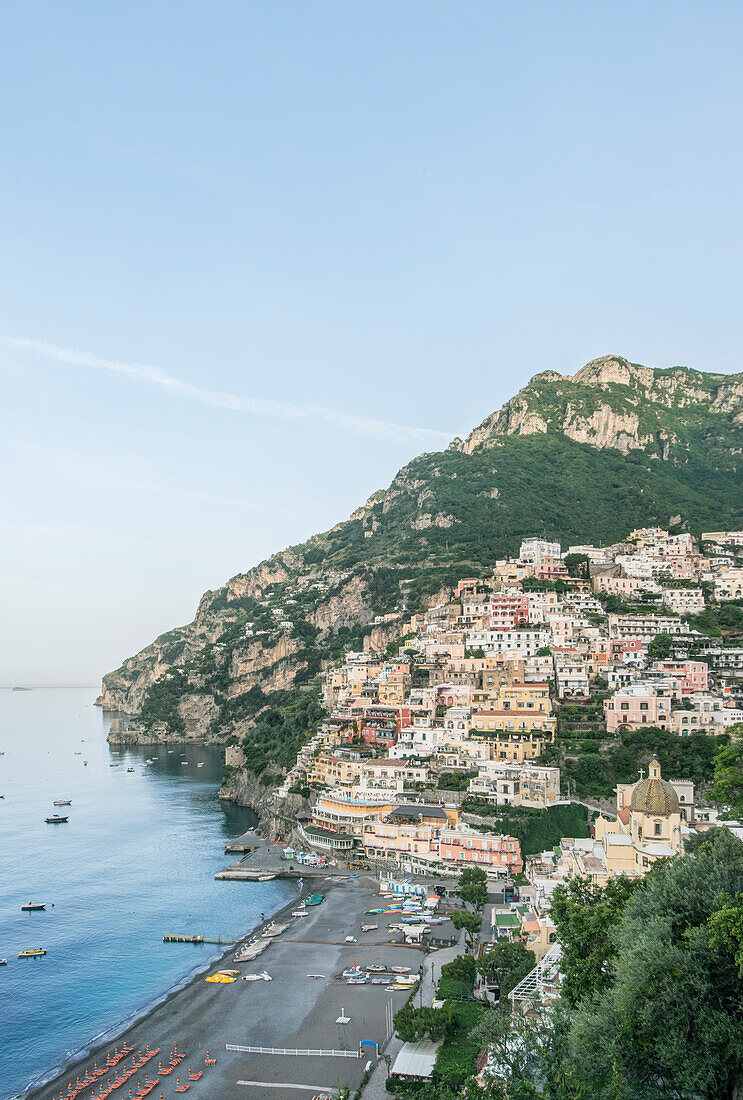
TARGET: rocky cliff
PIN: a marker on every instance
(578, 458)
(612, 403)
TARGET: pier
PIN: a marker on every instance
(173, 937)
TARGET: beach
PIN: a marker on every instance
(293, 1011)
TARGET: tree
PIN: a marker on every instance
(469, 921)
(660, 647)
(474, 894)
(728, 785)
(472, 874)
(666, 1021)
(577, 564)
(472, 887)
(413, 1024)
(507, 964)
(726, 929)
(585, 916)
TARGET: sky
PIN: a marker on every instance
(256, 256)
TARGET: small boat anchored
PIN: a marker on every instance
(63, 802)
(33, 907)
(32, 953)
(56, 819)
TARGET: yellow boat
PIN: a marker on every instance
(31, 952)
(221, 979)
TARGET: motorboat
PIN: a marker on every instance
(32, 953)
(3, 962)
(353, 972)
(264, 977)
(376, 967)
(201, 764)
(33, 907)
(56, 819)
(130, 769)
(400, 969)
(63, 802)
(220, 979)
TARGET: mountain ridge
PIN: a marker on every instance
(579, 458)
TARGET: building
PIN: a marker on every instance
(502, 784)
(571, 674)
(536, 550)
(690, 676)
(465, 846)
(729, 585)
(652, 823)
(683, 601)
(348, 812)
(701, 714)
(637, 705)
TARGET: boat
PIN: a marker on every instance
(353, 972)
(357, 981)
(369, 927)
(264, 977)
(56, 819)
(376, 966)
(315, 899)
(33, 907)
(379, 981)
(63, 802)
(315, 975)
(235, 973)
(32, 952)
(3, 962)
(220, 979)
(400, 969)
(85, 762)
(130, 769)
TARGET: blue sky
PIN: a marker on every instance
(240, 240)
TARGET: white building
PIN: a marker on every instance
(536, 550)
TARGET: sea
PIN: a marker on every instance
(136, 860)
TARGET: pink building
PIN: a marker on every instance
(637, 705)
(509, 610)
(619, 648)
(550, 569)
(466, 846)
(692, 676)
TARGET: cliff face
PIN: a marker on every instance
(578, 458)
(612, 403)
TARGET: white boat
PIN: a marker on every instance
(300, 913)
(400, 969)
(200, 765)
(264, 977)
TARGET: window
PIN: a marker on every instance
(657, 828)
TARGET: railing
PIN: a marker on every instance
(288, 1050)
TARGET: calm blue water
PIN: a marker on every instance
(136, 860)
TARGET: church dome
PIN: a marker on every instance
(654, 795)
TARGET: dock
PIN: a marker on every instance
(173, 937)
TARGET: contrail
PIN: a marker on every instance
(379, 429)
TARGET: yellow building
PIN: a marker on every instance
(341, 811)
(328, 771)
(651, 824)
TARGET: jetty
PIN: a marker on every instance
(173, 937)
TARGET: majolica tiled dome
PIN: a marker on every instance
(654, 795)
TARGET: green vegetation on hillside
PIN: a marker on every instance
(536, 830)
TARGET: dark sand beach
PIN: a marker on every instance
(293, 1010)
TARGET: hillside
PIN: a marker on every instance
(581, 458)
